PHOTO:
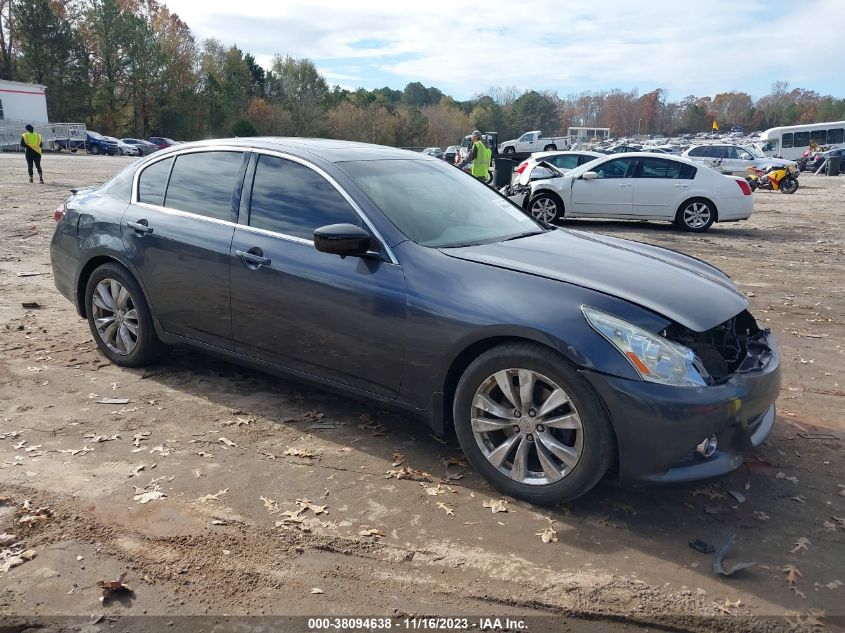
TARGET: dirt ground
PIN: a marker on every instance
(275, 499)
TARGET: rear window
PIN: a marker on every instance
(153, 181)
(204, 183)
(569, 161)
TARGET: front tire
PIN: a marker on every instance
(95, 149)
(696, 215)
(789, 185)
(531, 425)
(119, 317)
(546, 208)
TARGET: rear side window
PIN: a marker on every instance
(204, 183)
(659, 168)
(292, 199)
(565, 162)
(698, 151)
(801, 139)
(835, 136)
(787, 140)
(153, 181)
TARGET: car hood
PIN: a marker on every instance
(681, 288)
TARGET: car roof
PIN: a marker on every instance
(577, 152)
(328, 149)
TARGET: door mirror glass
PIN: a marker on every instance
(589, 175)
(342, 239)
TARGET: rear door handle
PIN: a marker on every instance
(253, 256)
(141, 226)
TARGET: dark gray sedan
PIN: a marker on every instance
(555, 355)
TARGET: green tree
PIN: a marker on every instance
(533, 111)
(301, 90)
(244, 127)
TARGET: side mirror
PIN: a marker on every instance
(342, 239)
(589, 175)
(541, 173)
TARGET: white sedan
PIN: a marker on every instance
(635, 186)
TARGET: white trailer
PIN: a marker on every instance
(23, 102)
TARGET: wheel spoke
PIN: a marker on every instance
(126, 341)
(498, 456)
(486, 425)
(570, 422)
(122, 298)
(484, 403)
(503, 379)
(519, 470)
(114, 290)
(527, 379)
(567, 454)
(549, 468)
(131, 315)
(556, 399)
(132, 327)
(109, 334)
(106, 300)
(103, 322)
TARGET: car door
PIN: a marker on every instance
(178, 234)
(611, 194)
(527, 142)
(660, 185)
(340, 319)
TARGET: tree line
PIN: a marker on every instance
(133, 68)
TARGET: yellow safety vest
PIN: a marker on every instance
(481, 162)
(33, 141)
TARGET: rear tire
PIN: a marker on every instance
(550, 148)
(119, 317)
(553, 452)
(696, 215)
(509, 151)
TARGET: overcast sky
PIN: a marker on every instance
(463, 47)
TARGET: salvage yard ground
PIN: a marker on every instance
(219, 490)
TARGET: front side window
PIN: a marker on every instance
(525, 138)
(153, 181)
(801, 139)
(436, 205)
(617, 168)
(292, 199)
(204, 183)
(787, 140)
(661, 168)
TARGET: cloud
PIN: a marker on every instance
(465, 46)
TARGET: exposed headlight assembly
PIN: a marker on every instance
(655, 358)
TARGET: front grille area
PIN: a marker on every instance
(737, 345)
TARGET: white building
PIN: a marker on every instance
(23, 102)
(590, 133)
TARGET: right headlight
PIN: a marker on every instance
(655, 358)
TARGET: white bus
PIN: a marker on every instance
(792, 141)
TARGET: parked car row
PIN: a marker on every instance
(96, 143)
(555, 355)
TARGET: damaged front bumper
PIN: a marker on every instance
(658, 427)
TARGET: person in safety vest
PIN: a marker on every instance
(479, 156)
(31, 142)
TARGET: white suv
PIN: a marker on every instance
(733, 159)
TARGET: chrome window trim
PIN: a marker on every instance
(259, 151)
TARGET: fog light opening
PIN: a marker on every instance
(707, 447)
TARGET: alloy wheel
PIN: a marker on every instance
(115, 317)
(697, 215)
(527, 426)
(544, 209)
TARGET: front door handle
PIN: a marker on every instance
(254, 256)
(141, 226)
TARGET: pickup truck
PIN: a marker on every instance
(534, 142)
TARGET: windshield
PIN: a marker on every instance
(436, 205)
(754, 151)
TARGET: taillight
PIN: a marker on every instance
(746, 190)
(60, 211)
(522, 167)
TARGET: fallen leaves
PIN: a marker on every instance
(29, 518)
(783, 476)
(317, 590)
(496, 505)
(239, 422)
(113, 586)
(408, 473)
(140, 437)
(14, 557)
(73, 452)
(761, 516)
(227, 442)
(372, 532)
(215, 497)
(792, 573)
(802, 543)
(300, 452)
(433, 491)
(304, 504)
(97, 439)
(398, 458)
(799, 498)
(449, 511)
(548, 535)
(142, 495)
(710, 493)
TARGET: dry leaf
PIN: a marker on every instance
(93, 437)
(398, 458)
(801, 544)
(449, 511)
(214, 497)
(239, 422)
(161, 450)
(145, 496)
(112, 586)
(454, 461)
(799, 498)
(783, 476)
(761, 516)
(304, 504)
(408, 473)
(792, 573)
(372, 532)
(496, 505)
(299, 452)
(272, 506)
(707, 492)
(204, 454)
(140, 437)
(433, 490)
(317, 590)
(226, 442)
(548, 535)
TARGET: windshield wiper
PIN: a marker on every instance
(525, 234)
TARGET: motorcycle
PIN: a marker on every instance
(773, 179)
